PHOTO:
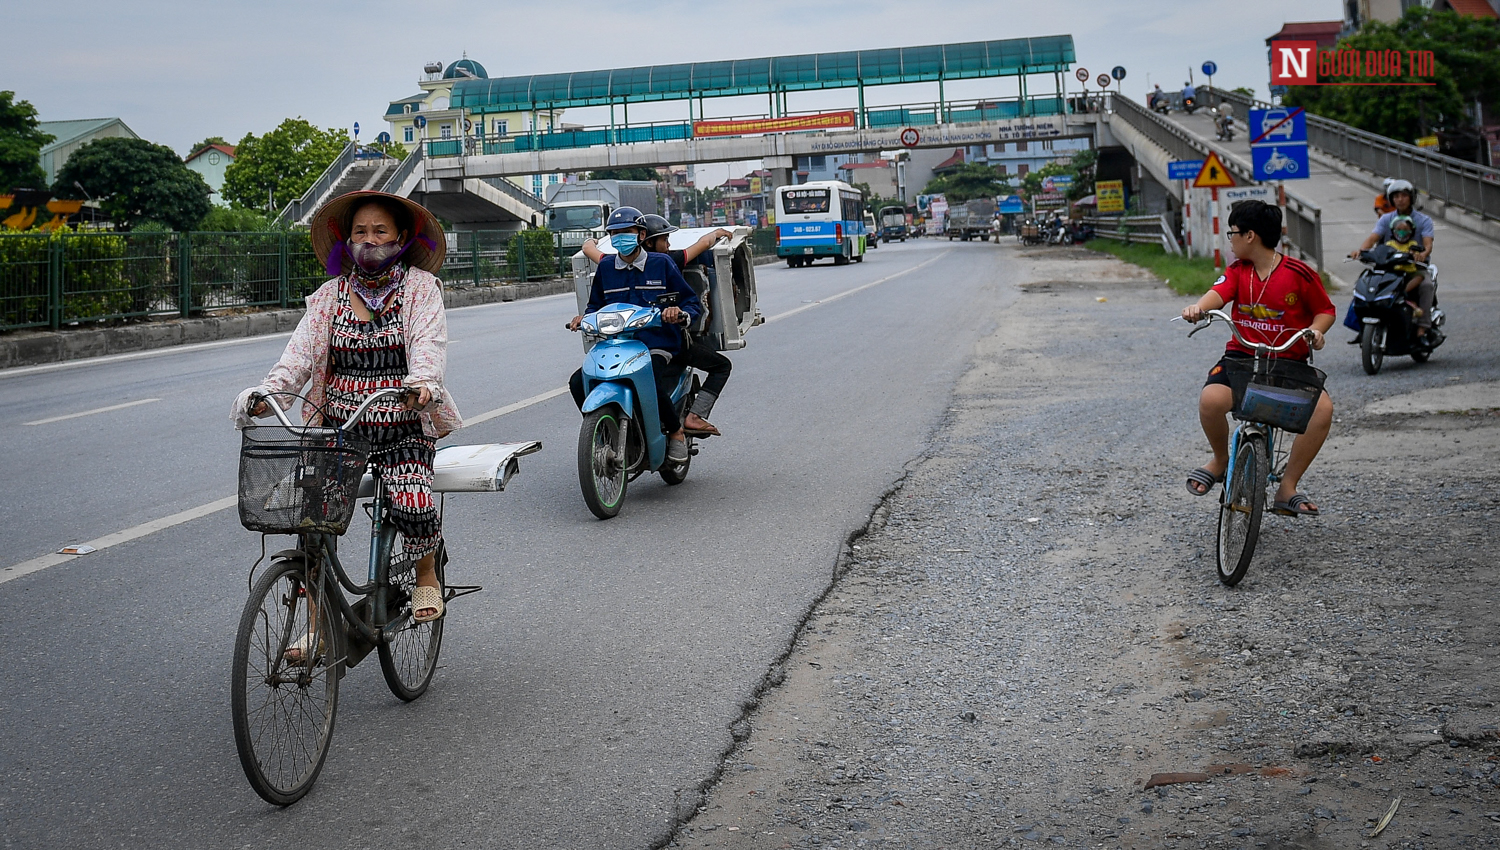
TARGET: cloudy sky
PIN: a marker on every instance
(177, 72)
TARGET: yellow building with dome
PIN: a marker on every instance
(429, 116)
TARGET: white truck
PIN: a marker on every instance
(579, 210)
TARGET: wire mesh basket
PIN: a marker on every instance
(1283, 396)
(301, 480)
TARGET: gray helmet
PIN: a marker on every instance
(1400, 186)
(623, 218)
(656, 225)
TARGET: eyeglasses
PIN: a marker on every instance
(1238, 232)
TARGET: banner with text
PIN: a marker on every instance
(789, 124)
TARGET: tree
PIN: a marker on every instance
(269, 171)
(21, 144)
(211, 140)
(1465, 71)
(135, 181)
(636, 173)
(392, 149)
(1080, 167)
(970, 180)
(234, 220)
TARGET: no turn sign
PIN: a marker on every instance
(910, 137)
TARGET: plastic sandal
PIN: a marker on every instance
(423, 596)
(1201, 475)
(296, 652)
(1295, 506)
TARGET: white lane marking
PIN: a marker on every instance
(135, 355)
(92, 412)
(38, 564)
(848, 292)
(512, 408)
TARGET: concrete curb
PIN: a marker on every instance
(31, 348)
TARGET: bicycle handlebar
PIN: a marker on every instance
(359, 412)
(1221, 316)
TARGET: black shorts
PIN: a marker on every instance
(1221, 373)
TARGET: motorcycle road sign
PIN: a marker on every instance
(1280, 162)
(1278, 125)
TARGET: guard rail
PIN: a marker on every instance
(1139, 229)
(294, 210)
(1466, 185)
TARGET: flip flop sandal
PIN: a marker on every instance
(1201, 475)
(1295, 506)
(423, 596)
(710, 431)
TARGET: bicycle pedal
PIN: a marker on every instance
(453, 591)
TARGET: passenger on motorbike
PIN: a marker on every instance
(1401, 195)
(1274, 295)
(1404, 239)
(699, 355)
(638, 277)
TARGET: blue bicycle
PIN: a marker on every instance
(1271, 397)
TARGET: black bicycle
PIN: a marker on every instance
(299, 633)
(1270, 397)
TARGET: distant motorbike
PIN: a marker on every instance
(1189, 105)
(1387, 320)
(1223, 126)
(621, 437)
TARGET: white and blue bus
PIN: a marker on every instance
(824, 218)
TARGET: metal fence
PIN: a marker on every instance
(1139, 229)
(1466, 185)
(48, 281)
(1303, 219)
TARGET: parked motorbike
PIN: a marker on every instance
(1082, 232)
(1223, 126)
(1058, 233)
(1387, 319)
(621, 438)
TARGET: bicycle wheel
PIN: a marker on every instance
(1240, 508)
(410, 659)
(1372, 348)
(284, 707)
(601, 463)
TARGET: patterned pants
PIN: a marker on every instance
(406, 469)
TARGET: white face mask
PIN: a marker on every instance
(375, 258)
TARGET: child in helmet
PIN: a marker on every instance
(1404, 238)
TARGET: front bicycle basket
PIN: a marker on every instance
(1284, 396)
(299, 480)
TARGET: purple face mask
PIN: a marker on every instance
(372, 258)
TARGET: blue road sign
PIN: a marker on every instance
(1184, 169)
(1118, 72)
(1278, 125)
(420, 121)
(383, 138)
(1209, 68)
(1280, 162)
(356, 129)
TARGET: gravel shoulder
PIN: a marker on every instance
(1030, 629)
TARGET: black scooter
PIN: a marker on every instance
(1387, 319)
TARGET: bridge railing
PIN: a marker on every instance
(294, 210)
(403, 172)
(1303, 219)
(1139, 229)
(1466, 185)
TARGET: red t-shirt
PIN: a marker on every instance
(1267, 312)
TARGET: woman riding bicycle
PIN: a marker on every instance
(379, 323)
(1274, 296)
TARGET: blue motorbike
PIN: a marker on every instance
(621, 437)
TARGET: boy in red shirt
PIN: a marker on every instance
(1274, 296)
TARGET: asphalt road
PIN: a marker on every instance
(585, 694)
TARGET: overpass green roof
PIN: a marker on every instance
(970, 60)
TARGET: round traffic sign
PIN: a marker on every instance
(1082, 74)
(910, 137)
(1118, 72)
(1209, 68)
(383, 138)
(420, 121)
(1103, 81)
(356, 128)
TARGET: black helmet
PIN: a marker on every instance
(655, 225)
(623, 218)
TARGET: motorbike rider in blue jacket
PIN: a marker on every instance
(634, 276)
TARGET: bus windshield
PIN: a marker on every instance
(805, 201)
(575, 218)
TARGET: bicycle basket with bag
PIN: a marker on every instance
(302, 480)
(1284, 396)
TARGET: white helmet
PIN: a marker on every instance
(1387, 183)
(1395, 186)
